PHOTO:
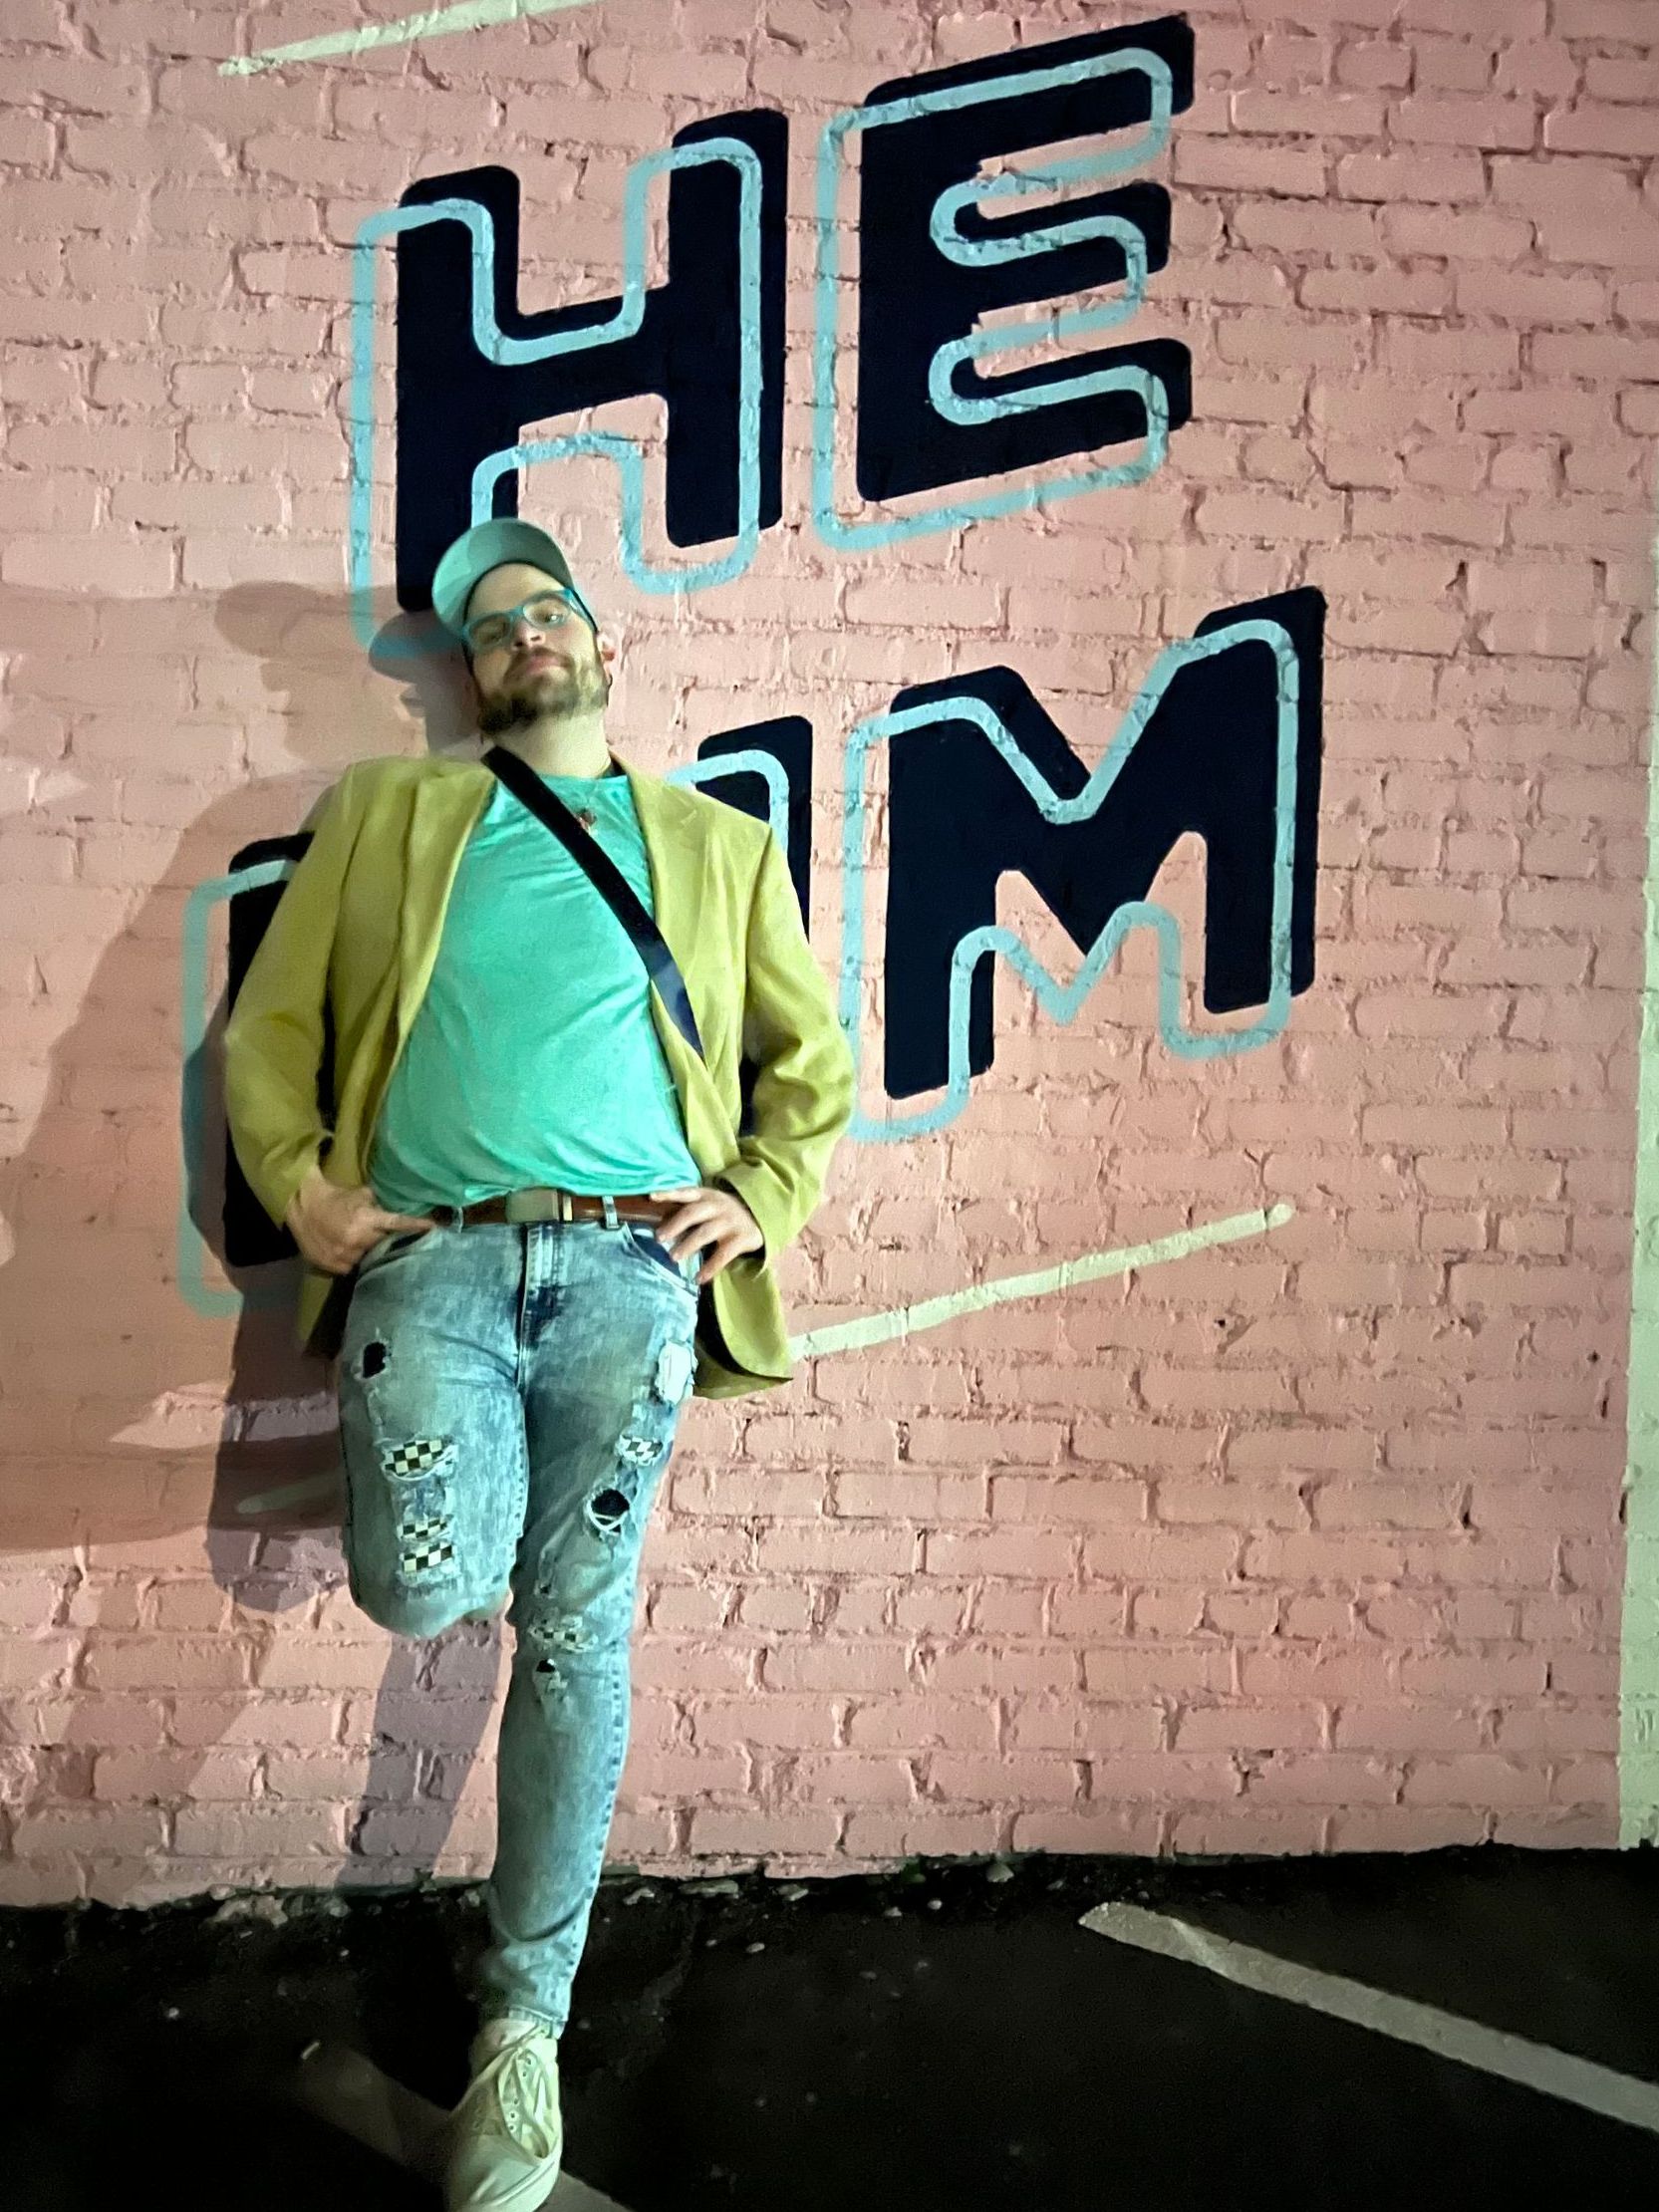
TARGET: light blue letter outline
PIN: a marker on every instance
(1062, 1001)
(863, 537)
(493, 346)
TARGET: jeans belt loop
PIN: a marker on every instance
(610, 1206)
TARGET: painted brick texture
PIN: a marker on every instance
(1311, 1543)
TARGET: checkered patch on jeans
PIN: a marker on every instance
(426, 1544)
(417, 1457)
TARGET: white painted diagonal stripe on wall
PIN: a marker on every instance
(1089, 1266)
(929, 1313)
(467, 15)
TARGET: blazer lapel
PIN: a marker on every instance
(443, 806)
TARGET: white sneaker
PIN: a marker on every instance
(506, 2136)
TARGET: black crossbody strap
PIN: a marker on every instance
(608, 880)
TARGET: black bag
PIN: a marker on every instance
(608, 880)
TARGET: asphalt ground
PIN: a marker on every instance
(948, 2035)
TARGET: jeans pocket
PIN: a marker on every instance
(393, 1242)
(642, 1239)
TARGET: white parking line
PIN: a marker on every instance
(1534, 2065)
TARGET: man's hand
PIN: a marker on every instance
(335, 1226)
(718, 1218)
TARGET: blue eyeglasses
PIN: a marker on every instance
(547, 610)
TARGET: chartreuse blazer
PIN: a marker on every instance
(357, 928)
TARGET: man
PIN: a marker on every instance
(530, 1227)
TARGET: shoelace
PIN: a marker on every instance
(520, 2097)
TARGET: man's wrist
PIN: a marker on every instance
(722, 1183)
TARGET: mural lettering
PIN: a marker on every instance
(1224, 739)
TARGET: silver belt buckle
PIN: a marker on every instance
(540, 1203)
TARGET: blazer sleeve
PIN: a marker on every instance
(273, 1038)
(805, 1081)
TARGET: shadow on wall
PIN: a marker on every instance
(127, 1453)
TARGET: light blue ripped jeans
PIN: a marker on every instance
(508, 1395)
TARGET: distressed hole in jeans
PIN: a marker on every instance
(607, 1508)
(676, 1368)
(373, 1360)
(558, 1635)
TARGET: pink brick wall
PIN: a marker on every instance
(1307, 1543)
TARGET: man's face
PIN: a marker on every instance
(558, 668)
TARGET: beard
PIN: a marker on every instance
(537, 692)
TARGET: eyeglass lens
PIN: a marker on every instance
(545, 613)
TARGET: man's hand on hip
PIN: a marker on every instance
(718, 1218)
(335, 1226)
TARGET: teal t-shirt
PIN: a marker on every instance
(533, 1057)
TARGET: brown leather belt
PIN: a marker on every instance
(542, 1203)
